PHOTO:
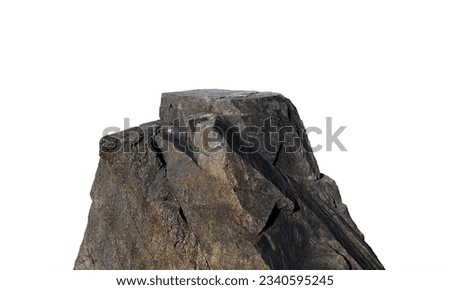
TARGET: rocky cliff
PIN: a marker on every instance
(225, 180)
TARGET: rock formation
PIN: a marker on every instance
(225, 180)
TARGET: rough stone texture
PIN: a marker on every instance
(162, 199)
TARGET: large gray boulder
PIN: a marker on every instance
(225, 180)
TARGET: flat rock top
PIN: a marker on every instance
(225, 102)
(216, 94)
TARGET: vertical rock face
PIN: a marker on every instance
(225, 180)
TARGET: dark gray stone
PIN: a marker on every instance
(217, 184)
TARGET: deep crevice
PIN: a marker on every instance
(181, 213)
(271, 219)
(278, 154)
(157, 150)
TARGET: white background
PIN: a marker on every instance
(69, 69)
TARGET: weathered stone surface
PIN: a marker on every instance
(225, 180)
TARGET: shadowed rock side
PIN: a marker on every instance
(225, 180)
